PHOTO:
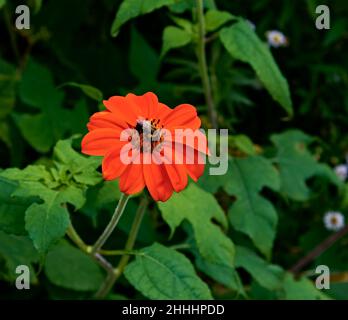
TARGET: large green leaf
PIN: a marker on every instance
(267, 275)
(199, 208)
(174, 37)
(130, 9)
(243, 44)
(297, 164)
(159, 272)
(251, 213)
(144, 67)
(15, 251)
(70, 268)
(52, 121)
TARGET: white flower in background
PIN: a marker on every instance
(333, 220)
(276, 39)
(341, 171)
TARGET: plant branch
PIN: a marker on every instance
(202, 61)
(112, 224)
(117, 252)
(112, 277)
(74, 237)
(318, 250)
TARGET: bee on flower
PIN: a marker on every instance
(276, 39)
(143, 143)
(341, 171)
(334, 220)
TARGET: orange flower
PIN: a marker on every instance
(144, 116)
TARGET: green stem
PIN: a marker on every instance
(112, 224)
(74, 237)
(112, 277)
(202, 61)
(181, 246)
(117, 252)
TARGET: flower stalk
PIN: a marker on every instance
(112, 224)
(117, 272)
(202, 61)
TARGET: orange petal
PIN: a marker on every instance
(182, 116)
(105, 119)
(157, 182)
(122, 109)
(112, 165)
(177, 174)
(163, 111)
(98, 142)
(196, 169)
(132, 180)
(147, 104)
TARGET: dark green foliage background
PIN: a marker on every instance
(279, 165)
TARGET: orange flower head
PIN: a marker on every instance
(146, 143)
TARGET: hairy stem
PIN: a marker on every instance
(112, 277)
(75, 238)
(318, 250)
(202, 61)
(112, 224)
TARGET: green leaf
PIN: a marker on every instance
(269, 276)
(296, 164)
(15, 251)
(66, 182)
(243, 143)
(52, 121)
(181, 6)
(174, 37)
(38, 4)
(108, 193)
(214, 19)
(2, 3)
(199, 208)
(132, 8)
(162, 273)
(221, 273)
(37, 86)
(11, 209)
(70, 268)
(251, 213)
(88, 90)
(243, 44)
(302, 289)
(47, 222)
(145, 66)
(80, 168)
